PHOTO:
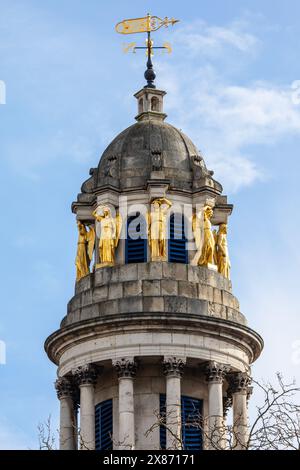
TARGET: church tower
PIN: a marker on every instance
(153, 349)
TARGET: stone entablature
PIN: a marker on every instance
(159, 287)
(198, 338)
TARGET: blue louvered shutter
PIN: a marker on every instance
(191, 412)
(162, 429)
(104, 425)
(177, 240)
(136, 249)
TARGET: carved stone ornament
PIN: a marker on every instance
(227, 404)
(239, 382)
(216, 372)
(125, 367)
(64, 387)
(87, 374)
(110, 168)
(173, 366)
(156, 160)
(199, 168)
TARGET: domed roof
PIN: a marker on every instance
(150, 149)
(145, 147)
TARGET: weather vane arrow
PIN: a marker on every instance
(147, 25)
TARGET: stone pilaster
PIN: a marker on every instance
(240, 391)
(126, 368)
(215, 374)
(173, 368)
(68, 423)
(86, 377)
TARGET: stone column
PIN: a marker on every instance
(239, 388)
(173, 370)
(126, 370)
(86, 377)
(215, 374)
(67, 428)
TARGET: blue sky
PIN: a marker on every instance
(69, 91)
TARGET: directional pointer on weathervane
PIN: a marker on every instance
(148, 24)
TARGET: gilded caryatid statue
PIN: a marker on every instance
(157, 228)
(85, 249)
(222, 255)
(204, 238)
(110, 230)
(198, 230)
(208, 248)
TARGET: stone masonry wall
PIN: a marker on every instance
(160, 287)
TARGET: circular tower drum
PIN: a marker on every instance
(154, 348)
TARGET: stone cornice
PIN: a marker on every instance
(237, 335)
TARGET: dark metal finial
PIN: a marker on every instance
(149, 74)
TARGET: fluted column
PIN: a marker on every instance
(173, 370)
(86, 377)
(239, 388)
(67, 428)
(126, 370)
(215, 374)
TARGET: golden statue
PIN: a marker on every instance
(85, 249)
(222, 255)
(157, 228)
(208, 244)
(110, 230)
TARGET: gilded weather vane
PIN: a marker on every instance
(147, 25)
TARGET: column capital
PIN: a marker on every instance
(215, 372)
(125, 366)
(173, 366)
(239, 382)
(249, 393)
(64, 387)
(227, 404)
(86, 374)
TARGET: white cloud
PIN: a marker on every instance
(200, 38)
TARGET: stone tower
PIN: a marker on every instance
(152, 341)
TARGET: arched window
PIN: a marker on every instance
(177, 240)
(140, 105)
(104, 425)
(154, 104)
(136, 240)
(191, 412)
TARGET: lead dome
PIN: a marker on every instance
(150, 148)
